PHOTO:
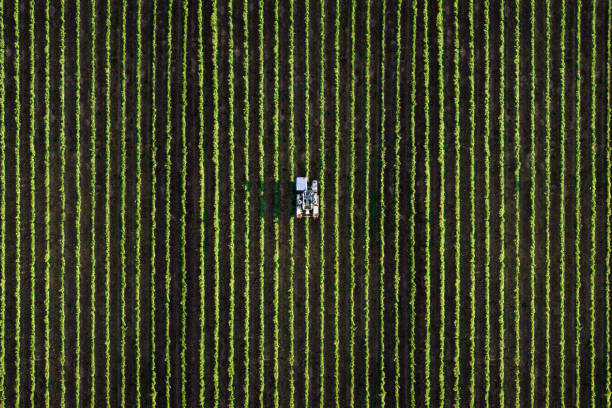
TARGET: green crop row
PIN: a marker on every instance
(307, 372)
(215, 42)
(33, 219)
(202, 174)
(381, 215)
(107, 205)
(92, 198)
(517, 220)
(487, 180)
(532, 182)
(427, 261)
(578, 215)
(261, 151)
(247, 209)
(291, 221)
(366, 274)
(77, 178)
(442, 221)
(396, 200)
(18, 261)
(471, 150)
(276, 144)
(412, 199)
(123, 198)
(456, 134)
(502, 208)
(563, 154)
(154, 185)
(337, 205)
(322, 107)
(593, 143)
(140, 170)
(352, 206)
(232, 208)
(47, 132)
(276, 141)
(547, 198)
(183, 213)
(167, 192)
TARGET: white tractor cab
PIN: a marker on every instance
(307, 200)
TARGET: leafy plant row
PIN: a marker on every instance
(337, 205)
(427, 175)
(33, 217)
(322, 107)
(291, 221)
(368, 151)
(307, 315)
(232, 209)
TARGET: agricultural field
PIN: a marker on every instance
(149, 252)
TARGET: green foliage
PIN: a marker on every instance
(471, 147)
(427, 137)
(396, 201)
(232, 208)
(307, 172)
(291, 220)
(322, 107)
(92, 198)
(276, 131)
(547, 199)
(32, 132)
(123, 193)
(77, 178)
(17, 115)
(517, 179)
(502, 208)
(442, 221)
(107, 210)
(532, 185)
(167, 193)
(202, 148)
(593, 187)
(154, 124)
(412, 195)
(487, 149)
(337, 205)
(457, 130)
(352, 206)
(578, 204)
(261, 151)
(47, 163)
(215, 41)
(183, 213)
(381, 215)
(247, 209)
(366, 274)
(562, 181)
(139, 170)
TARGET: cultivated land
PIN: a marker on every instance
(149, 255)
